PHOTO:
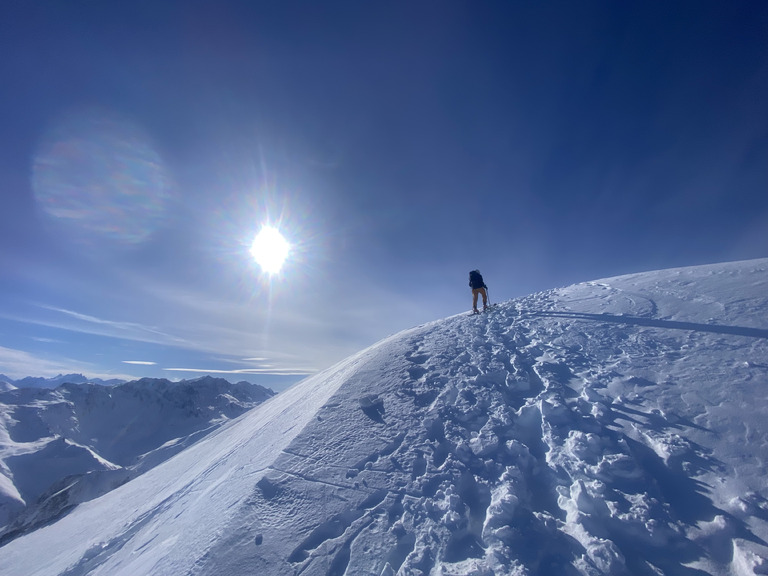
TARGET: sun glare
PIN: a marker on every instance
(270, 249)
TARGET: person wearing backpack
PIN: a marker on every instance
(478, 289)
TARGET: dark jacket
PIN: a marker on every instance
(476, 280)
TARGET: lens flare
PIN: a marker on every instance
(97, 177)
(270, 249)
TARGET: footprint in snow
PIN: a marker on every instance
(373, 407)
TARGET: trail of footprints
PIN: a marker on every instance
(508, 446)
(459, 432)
(463, 430)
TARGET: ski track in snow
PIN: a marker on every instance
(581, 431)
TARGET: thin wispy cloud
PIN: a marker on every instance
(220, 327)
(19, 364)
(231, 345)
(229, 325)
(92, 325)
(237, 336)
(120, 327)
(253, 371)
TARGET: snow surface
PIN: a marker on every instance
(612, 427)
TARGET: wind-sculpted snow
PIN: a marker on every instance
(613, 427)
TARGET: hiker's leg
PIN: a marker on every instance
(475, 292)
(485, 297)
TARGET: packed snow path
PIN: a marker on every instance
(613, 427)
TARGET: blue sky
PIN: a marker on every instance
(397, 145)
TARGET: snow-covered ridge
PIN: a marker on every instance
(612, 427)
(62, 446)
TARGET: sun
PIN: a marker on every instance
(270, 249)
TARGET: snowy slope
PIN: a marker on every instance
(612, 427)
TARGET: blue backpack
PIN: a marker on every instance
(476, 280)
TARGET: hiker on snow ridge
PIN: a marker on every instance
(478, 287)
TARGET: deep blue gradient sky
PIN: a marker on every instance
(396, 144)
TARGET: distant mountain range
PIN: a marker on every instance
(69, 439)
(53, 382)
